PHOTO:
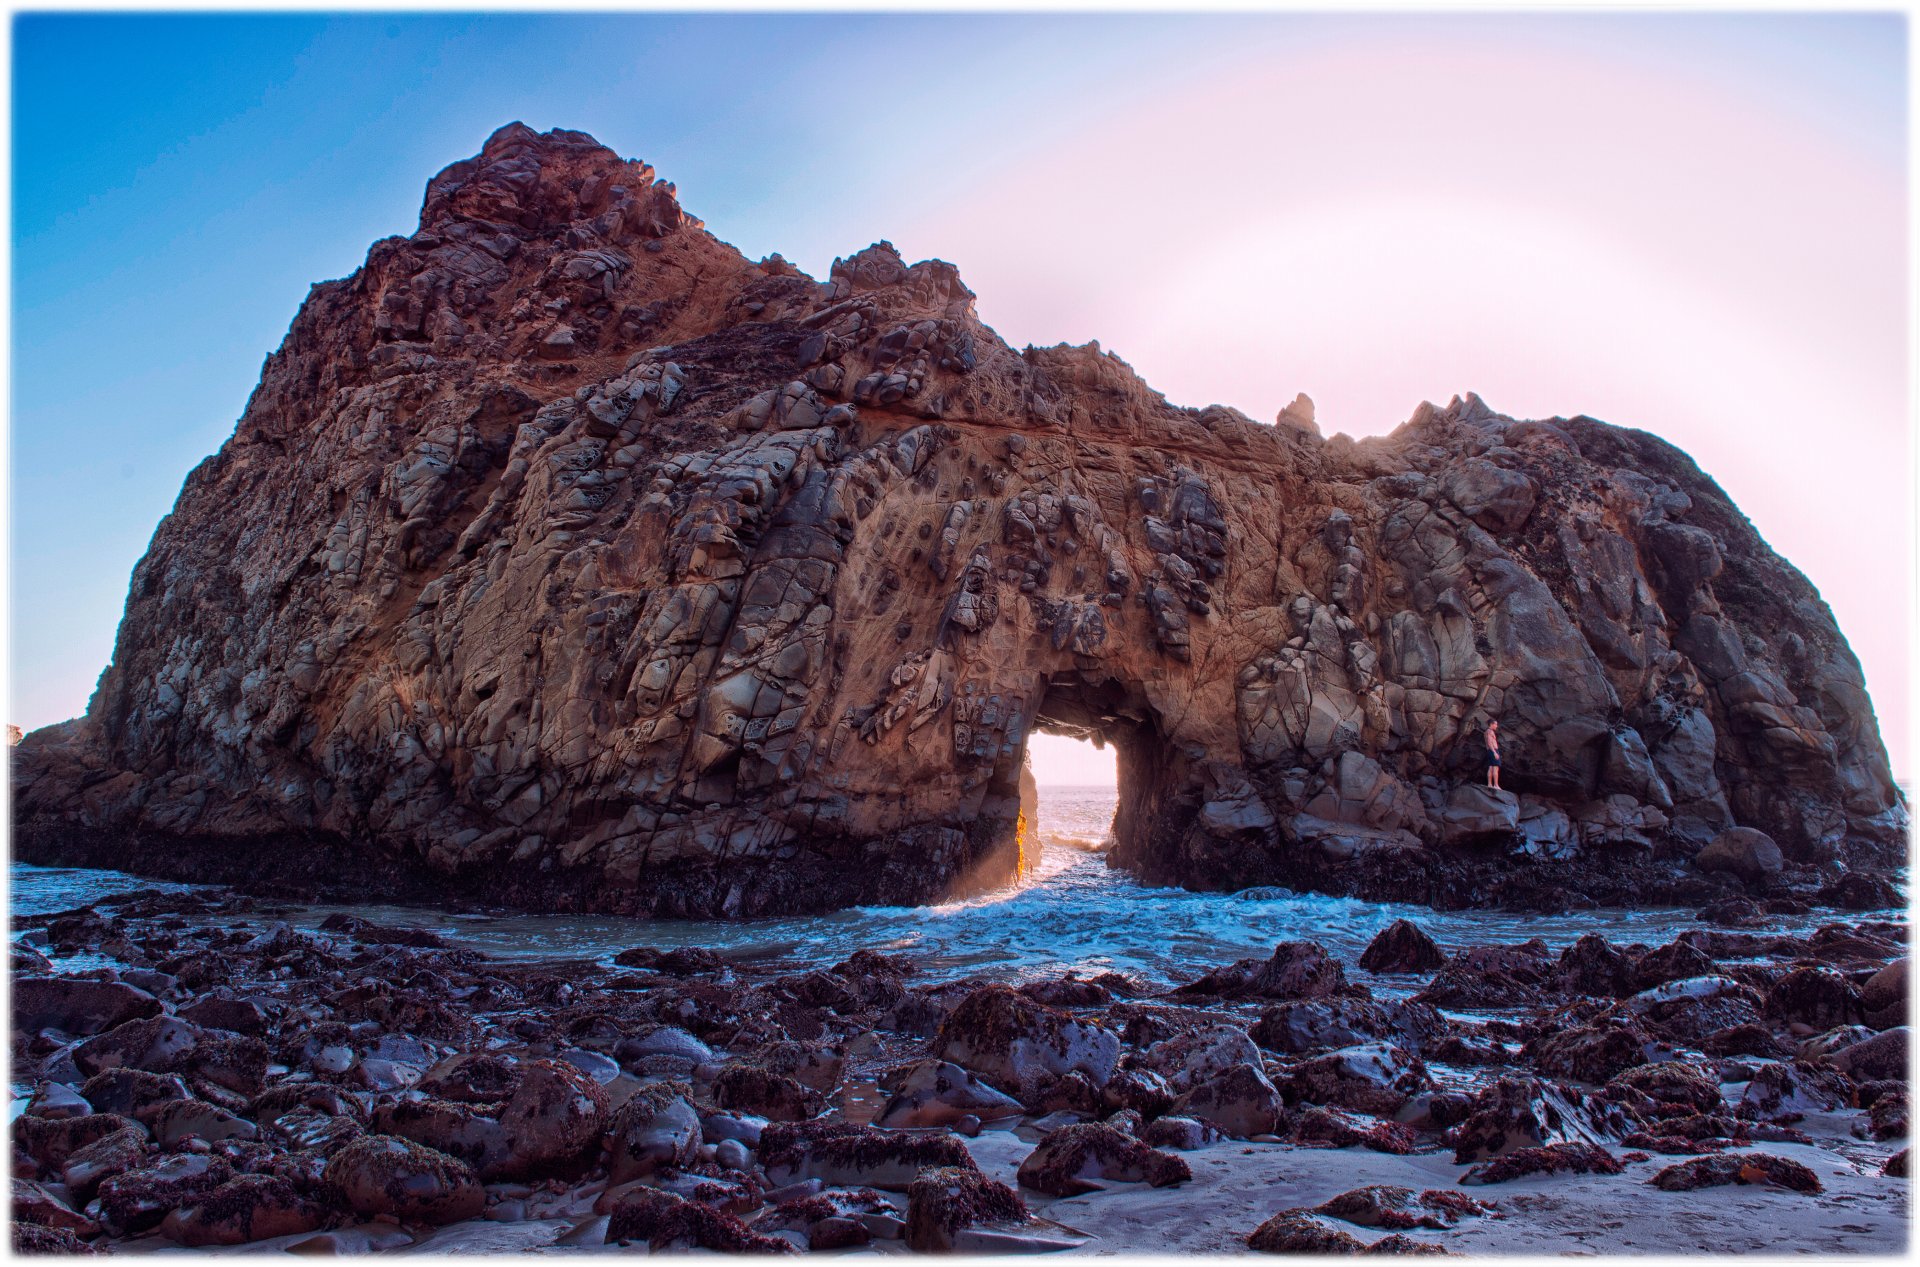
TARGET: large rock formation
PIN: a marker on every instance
(566, 558)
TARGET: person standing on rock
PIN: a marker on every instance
(1493, 755)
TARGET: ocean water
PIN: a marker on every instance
(1072, 913)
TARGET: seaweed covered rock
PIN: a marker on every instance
(381, 1174)
(1550, 1159)
(943, 1200)
(1295, 970)
(1491, 977)
(1301, 1231)
(1071, 1160)
(665, 1222)
(1242, 1102)
(1515, 1114)
(1742, 1168)
(849, 1155)
(1376, 1078)
(1014, 1042)
(1397, 1208)
(245, 1208)
(656, 1127)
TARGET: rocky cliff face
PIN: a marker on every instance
(566, 558)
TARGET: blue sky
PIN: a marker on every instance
(179, 181)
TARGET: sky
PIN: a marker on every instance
(1691, 224)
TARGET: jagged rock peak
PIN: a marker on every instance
(565, 558)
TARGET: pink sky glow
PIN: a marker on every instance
(1562, 231)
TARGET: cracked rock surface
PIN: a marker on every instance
(564, 558)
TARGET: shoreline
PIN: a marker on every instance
(562, 1098)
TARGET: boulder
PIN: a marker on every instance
(1491, 977)
(1742, 1168)
(1818, 997)
(655, 1128)
(759, 1091)
(381, 1174)
(1595, 1053)
(1295, 970)
(1317, 1024)
(77, 1005)
(1071, 1159)
(1590, 966)
(1551, 1159)
(664, 1222)
(1397, 1208)
(1012, 1041)
(1883, 999)
(1188, 1059)
(844, 1154)
(245, 1208)
(937, 1093)
(944, 1200)
(1242, 1102)
(1376, 1078)
(1402, 947)
(135, 1201)
(1745, 851)
(1301, 1231)
(1514, 1114)
(1882, 1056)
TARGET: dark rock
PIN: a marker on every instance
(245, 1208)
(1744, 851)
(663, 1221)
(770, 1095)
(1070, 1159)
(1675, 961)
(1552, 1159)
(1068, 991)
(1012, 1041)
(1591, 966)
(936, 1093)
(1744, 1040)
(848, 1155)
(944, 1199)
(1376, 1078)
(1302, 1232)
(1882, 1056)
(1491, 977)
(1860, 891)
(33, 1203)
(1743, 1168)
(1883, 999)
(1316, 1024)
(1295, 970)
(137, 1200)
(1819, 997)
(1398, 1209)
(1182, 1134)
(655, 1128)
(1402, 946)
(77, 1005)
(1242, 1102)
(1673, 1082)
(1516, 1114)
(1595, 1053)
(1337, 1128)
(380, 1174)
